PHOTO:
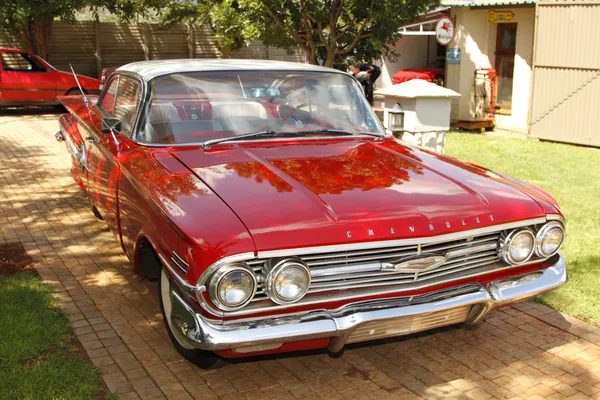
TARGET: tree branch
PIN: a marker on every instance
(320, 30)
(280, 24)
(359, 34)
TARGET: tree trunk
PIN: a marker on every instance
(37, 34)
(311, 55)
(225, 53)
(330, 60)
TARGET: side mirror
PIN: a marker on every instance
(110, 124)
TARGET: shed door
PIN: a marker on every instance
(566, 72)
(506, 40)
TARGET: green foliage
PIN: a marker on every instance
(332, 31)
(35, 349)
(16, 14)
(231, 26)
(31, 20)
(570, 174)
(328, 31)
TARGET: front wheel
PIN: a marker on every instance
(438, 80)
(201, 358)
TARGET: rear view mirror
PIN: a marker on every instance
(264, 92)
(110, 124)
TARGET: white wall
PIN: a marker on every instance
(476, 37)
(412, 53)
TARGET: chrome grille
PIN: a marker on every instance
(363, 269)
(409, 324)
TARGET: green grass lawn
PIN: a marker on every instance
(37, 356)
(572, 175)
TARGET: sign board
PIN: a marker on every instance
(495, 16)
(444, 30)
(452, 56)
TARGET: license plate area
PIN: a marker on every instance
(409, 324)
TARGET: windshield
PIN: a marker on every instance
(201, 106)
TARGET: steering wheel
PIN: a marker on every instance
(293, 111)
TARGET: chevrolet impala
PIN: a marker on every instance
(277, 215)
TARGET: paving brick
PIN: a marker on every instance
(527, 351)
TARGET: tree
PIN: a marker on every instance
(228, 21)
(31, 20)
(333, 29)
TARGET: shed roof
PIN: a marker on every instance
(417, 88)
(484, 3)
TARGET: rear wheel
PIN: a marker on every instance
(201, 358)
(439, 80)
(74, 92)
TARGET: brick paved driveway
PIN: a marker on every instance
(528, 351)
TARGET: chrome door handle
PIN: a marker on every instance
(91, 139)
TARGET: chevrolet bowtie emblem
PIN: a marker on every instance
(415, 265)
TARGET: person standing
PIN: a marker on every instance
(374, 72)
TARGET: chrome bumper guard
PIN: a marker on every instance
(443, 308)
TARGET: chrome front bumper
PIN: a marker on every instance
(399, 316)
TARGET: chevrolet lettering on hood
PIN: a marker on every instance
(277, 215)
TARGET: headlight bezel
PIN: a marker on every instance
(508, 241)
(280, 266)
(220, 274)
(544, 230)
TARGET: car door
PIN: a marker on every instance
(24, 79)
(120, 100)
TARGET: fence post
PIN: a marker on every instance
(191, 41)
(144, 33)
(98, 47)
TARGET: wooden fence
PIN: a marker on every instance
(90, 46)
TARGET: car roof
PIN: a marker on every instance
(151, 69)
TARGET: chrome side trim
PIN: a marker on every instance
(179, 280)
(341, 323)
(401, 242)
(179, 263)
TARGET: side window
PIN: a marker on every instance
(21, 62)
(128, 99)
(108, 100)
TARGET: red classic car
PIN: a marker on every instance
(434, 72)
(277, 215)
(26, 79)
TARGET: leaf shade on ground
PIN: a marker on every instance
(572, 175)
(36, 360)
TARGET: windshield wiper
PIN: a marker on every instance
(206, 145)
(344, 133)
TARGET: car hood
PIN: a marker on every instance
(333, 191)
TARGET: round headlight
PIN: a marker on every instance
(288, 281)
(232, 287)
(549, 239)
(519, 246)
